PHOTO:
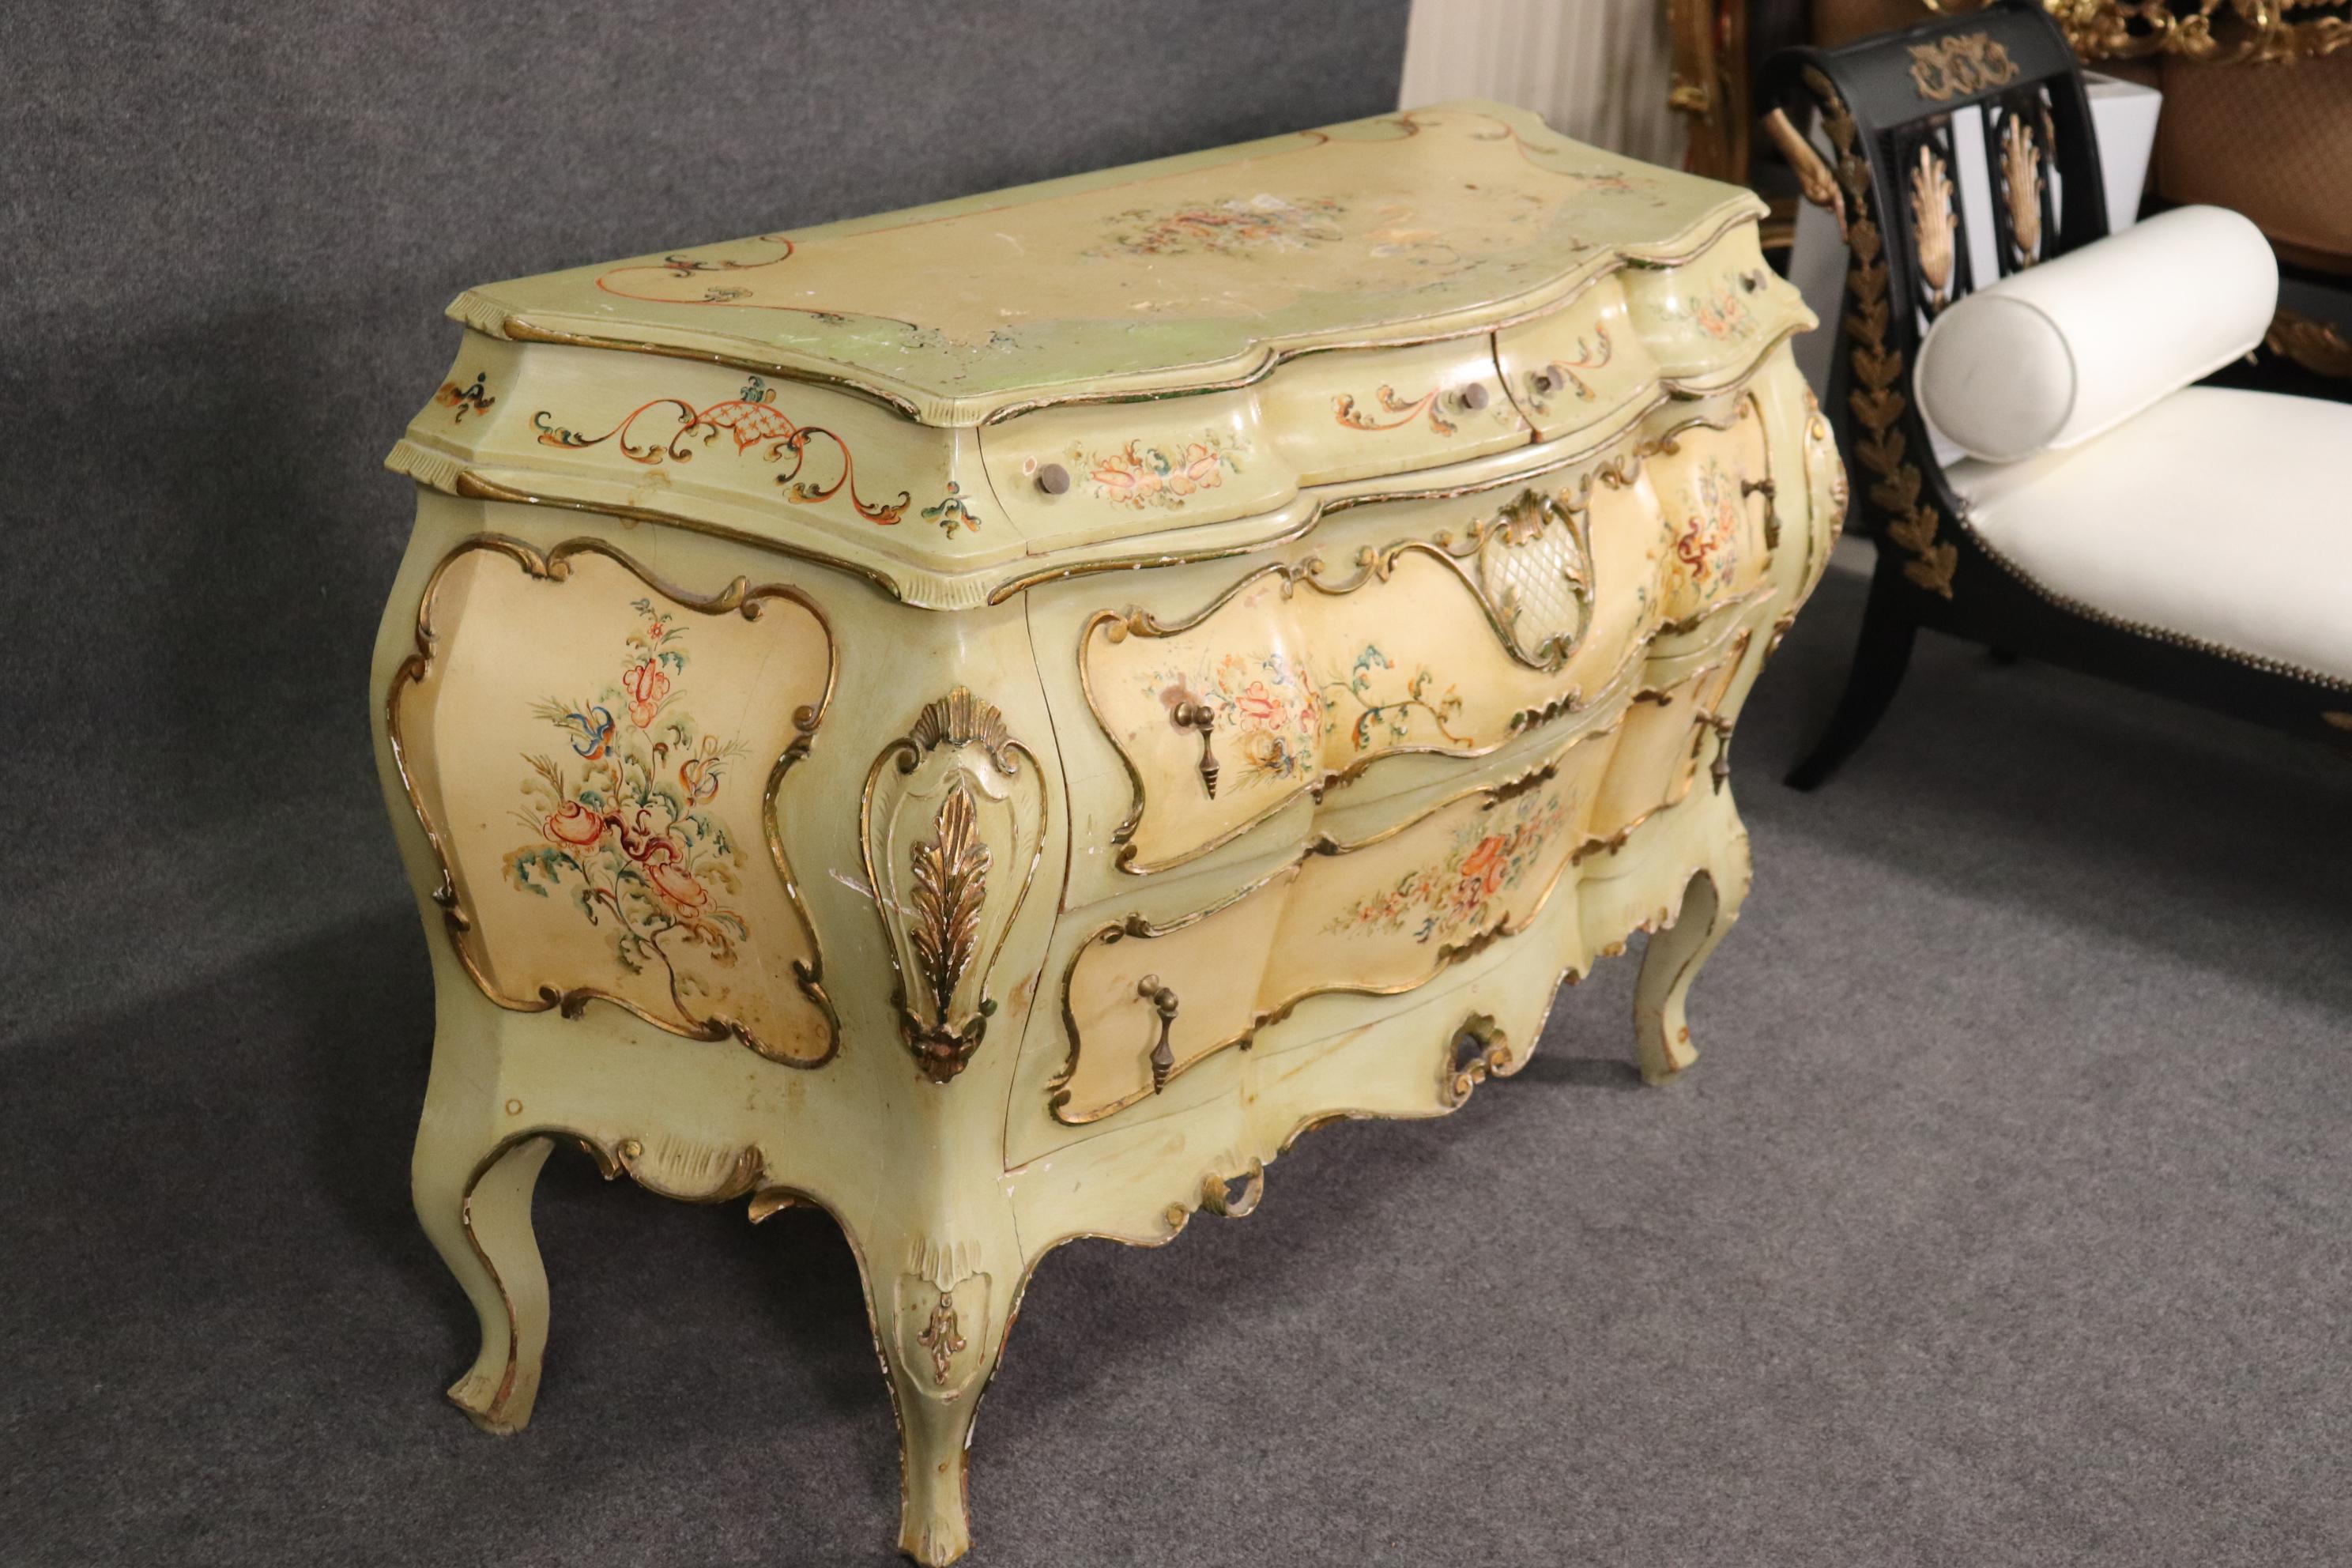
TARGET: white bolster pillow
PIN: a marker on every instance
(2068, 350)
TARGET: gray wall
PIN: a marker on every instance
(229, 240)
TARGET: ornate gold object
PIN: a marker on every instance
(1877, 399)
(2211, 32)
(959, 719)
(2021, 188)
(1931, 227)
(1958, 65)
(942, 1337)
(1813, 176)
(950, 881)
(1217, 1197)
(2318, 346)
(1490, 1056)
(1535, 571)
(942, 932)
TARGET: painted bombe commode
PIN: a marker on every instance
(992, 720)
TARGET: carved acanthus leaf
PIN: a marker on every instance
(951, 886)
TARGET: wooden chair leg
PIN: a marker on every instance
(1880, 656)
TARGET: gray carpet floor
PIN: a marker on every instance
(2004, 1221)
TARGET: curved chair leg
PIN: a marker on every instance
(1668, 966)
(1880, 656)
(473, 1196)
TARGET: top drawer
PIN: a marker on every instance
(1306, 672)
(1349, 415)
(1080, 474)
(1610, 353)
(1709, 321)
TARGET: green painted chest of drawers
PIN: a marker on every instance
(992, 720)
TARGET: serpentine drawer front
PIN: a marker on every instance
(996, 752)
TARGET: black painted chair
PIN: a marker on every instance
(1890, 107)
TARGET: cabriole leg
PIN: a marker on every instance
(473, 1195)
(1668, 966)
(941, 1309)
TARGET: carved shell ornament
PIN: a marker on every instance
(1932, 226)
(2021, 188)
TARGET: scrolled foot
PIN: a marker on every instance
(936, 1530)
(935, 1429)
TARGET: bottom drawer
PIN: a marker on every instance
(1145, 1000)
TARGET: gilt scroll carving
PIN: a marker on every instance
(2211, 32)
(1958, 65)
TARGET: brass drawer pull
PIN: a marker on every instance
(1188, 715)
(1163, 1002)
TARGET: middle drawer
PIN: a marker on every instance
(1230, 699)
